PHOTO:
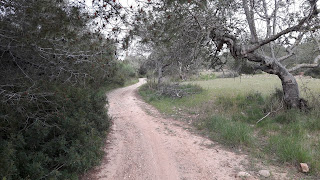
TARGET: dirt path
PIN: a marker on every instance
(143, 147)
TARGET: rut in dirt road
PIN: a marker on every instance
(142, 146)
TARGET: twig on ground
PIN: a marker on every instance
(264, 117)
(271, 112)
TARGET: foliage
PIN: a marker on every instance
(68, 141)
(53, 71)
(125, 71)
(315, 72)
(174, 40)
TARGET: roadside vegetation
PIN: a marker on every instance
(54, 74)
(248, 114)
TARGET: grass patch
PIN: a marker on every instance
(232, 133)
(288, 149)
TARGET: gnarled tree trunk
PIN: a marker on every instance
(290, 89)
(269, 65)
(290, 86)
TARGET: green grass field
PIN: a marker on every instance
(227, 110)
(264, 84)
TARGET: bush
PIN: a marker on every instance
(207, 77)
(313, 72)
(228, 75)
(171, 90)
(52, 119)
(65, 143)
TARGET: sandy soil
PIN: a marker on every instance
(143, 146)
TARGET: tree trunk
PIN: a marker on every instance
(181, 74)
(290, 89)
(159, 74)
(291, 95)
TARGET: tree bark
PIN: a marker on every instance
(290, 91)
(290, 88)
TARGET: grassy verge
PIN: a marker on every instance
(228, 110)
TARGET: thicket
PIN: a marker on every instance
(53, 71)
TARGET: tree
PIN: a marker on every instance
(279, 30)
(175, 39)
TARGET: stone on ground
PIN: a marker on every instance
(264, 173)
(243, 174)
(304, 167)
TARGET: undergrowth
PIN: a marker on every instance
(169, 90)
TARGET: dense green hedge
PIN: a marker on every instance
(66, 143)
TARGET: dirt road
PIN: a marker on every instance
(143, 146)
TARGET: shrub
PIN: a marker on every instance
(171, 90)
(207, 77)
(228, 75)
(65, 143)
(313, 72)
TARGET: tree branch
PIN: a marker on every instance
(290, 50)
(250, 19)
(315, 64)
(283, 32)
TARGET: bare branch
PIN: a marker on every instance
(315, 64)
(283, 32)
(292, 48)
(250, 19)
